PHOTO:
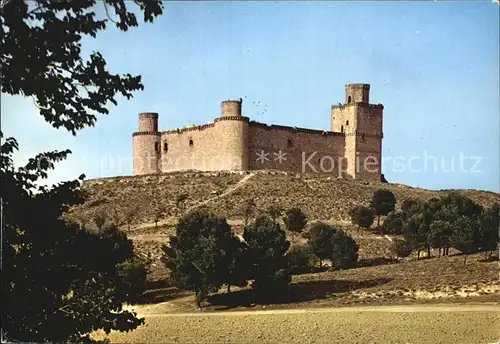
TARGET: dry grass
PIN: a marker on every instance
(321, 197)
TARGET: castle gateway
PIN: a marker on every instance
(232, 142)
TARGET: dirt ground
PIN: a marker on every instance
(387, 324)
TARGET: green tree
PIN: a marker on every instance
(361, 216)
(417, 228)
(239, 267)
(320, 240)
(465, 236)
(439, 235)
(274, 212)
(201, 252)
(132, 279)
(295, 220)
(393, 223)
(42, 57)
(461, 205)
(54, 273)
(400, 248)
(409, 207)
(301, 259)
(489, 228)
(344, 250)
(383, 201)
(267, 246)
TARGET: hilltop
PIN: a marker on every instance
(320, 196)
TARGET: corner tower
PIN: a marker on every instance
(361, 123)
(146, 144)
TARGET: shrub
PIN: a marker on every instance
(393, 223)
(344, 250)
(400, 248)
(203, 252)
(274, 212)
(361, 216)
(383, 201)
(295, 220)
(267, 246)
(320, 236)
(300, 259)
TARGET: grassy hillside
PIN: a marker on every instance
(321, 197)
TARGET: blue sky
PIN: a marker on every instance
(434, 66)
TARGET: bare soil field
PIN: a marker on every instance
(400, 324)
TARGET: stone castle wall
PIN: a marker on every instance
(233, 143)
(294, 149)
(213, 147)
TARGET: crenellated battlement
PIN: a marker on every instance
(232, 118)
(149, 114)
(360, 104)
(139, 133)
(293, 129)
(188, 129)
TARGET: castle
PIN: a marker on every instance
(232, 142)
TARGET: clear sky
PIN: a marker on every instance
(434, 66)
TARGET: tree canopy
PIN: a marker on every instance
(383, 201)
(61, 281)
(42, 56)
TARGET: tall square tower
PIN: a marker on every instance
(361, 123)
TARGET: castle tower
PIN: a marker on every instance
(232, 129)
(231, 108)
(361, 123)
(146, 142)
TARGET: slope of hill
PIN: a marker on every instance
(320, 196)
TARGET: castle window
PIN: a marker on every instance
(157, 146)
(346, 122)
(165, 146)
(289, 143)
(341, 128)
(190, 142)
(349, 99)
(362, 137)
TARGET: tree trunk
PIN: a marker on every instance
(465, 258)
(418, 254)
(428, 252)
(320, 263)
(229, 287)
(378, 220)
(439, 252)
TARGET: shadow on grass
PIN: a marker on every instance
(376, 261)
(160, 291)
(297, 292)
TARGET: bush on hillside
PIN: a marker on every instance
(400, 248)
(393, 223)
(301, 259)
(295, 220)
